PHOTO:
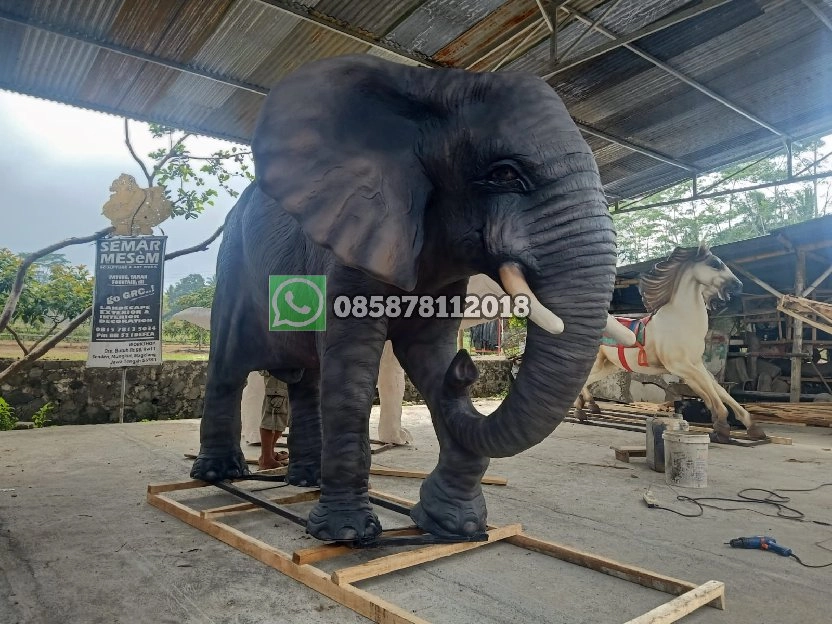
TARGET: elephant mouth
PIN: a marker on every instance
(515, 284)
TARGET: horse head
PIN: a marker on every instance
(719, 283)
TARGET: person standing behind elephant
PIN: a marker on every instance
(274, 421)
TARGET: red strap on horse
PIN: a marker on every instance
(642, 354)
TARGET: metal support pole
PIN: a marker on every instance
(797, 327)
(123, 391)
(789, 173)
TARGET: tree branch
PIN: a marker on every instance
(203, 246)
(18, 340)
(28, 261)
(46, 346)
(171, 152)
(46, 335)
(134, 155)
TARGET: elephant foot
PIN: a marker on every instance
(344, 520)
(400, 436)
(593, 408)
(449, 515)
(303, 474)
(755, 432)
(220, 465)
(721, 433)
(580, 414)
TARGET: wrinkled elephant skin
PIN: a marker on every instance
(389, 181)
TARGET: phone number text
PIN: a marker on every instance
(427, 306)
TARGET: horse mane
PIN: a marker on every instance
(657, 286)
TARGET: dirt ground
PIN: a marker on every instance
(80, 544)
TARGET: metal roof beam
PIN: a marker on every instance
(309, 14)
(680, 76)
(818, 13)
(136, 54)
(610, 6)
(650, 29)
(641, 150)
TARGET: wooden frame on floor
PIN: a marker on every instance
(339, 585)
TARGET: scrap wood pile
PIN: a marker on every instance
(815, 414)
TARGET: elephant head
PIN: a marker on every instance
(420, 178)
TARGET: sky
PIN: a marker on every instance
(57, 163)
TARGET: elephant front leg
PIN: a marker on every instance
(451, 502)
(349, 369)
(220, 456)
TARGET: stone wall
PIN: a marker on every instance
(82, 395)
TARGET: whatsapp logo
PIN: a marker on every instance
(297, 302)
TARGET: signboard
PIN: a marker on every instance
(127, 304)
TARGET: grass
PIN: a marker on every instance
(77, 351)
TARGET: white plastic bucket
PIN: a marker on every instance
(686, 459)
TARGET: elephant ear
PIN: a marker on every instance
(336, 147)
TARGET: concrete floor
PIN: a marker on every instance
(79, 543)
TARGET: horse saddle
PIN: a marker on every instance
(639, 327)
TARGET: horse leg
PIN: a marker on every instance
(583, 398)
(753, 430)
(704, 385)
(600, 369)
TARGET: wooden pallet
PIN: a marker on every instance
(627, 420)
(339, 585)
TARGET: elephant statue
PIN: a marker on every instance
(392, 181)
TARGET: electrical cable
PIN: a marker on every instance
(772, 497)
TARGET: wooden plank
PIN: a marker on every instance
(306, 556)
(158, 488)
(384, 471)
(634, 574)
(624, 453)
(300, 497)
(393, 499)
(364, 603)
(399, 561)
(679, 607)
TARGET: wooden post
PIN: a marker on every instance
(797, 333)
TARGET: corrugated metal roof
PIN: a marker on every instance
(204, 64)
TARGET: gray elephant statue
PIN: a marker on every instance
(395, 181)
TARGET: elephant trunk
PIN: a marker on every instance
(573, 279)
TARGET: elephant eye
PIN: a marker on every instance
(503, 173)
(504, 176)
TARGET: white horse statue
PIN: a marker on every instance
(677, 293)
(391, 380)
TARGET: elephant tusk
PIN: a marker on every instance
(515, 284)
(618, 332)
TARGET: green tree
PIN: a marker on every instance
(54, 293)
(188, 284)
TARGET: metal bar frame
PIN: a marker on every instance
(680, 76)
(309, 14)
(754, 187)
(590, 28)
(818, 13)
(650, 29)
(636, 148)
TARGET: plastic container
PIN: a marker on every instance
(686, 459)
(655, 426)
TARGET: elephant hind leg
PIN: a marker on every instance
(305, 430)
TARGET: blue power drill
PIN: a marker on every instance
(762, 542)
